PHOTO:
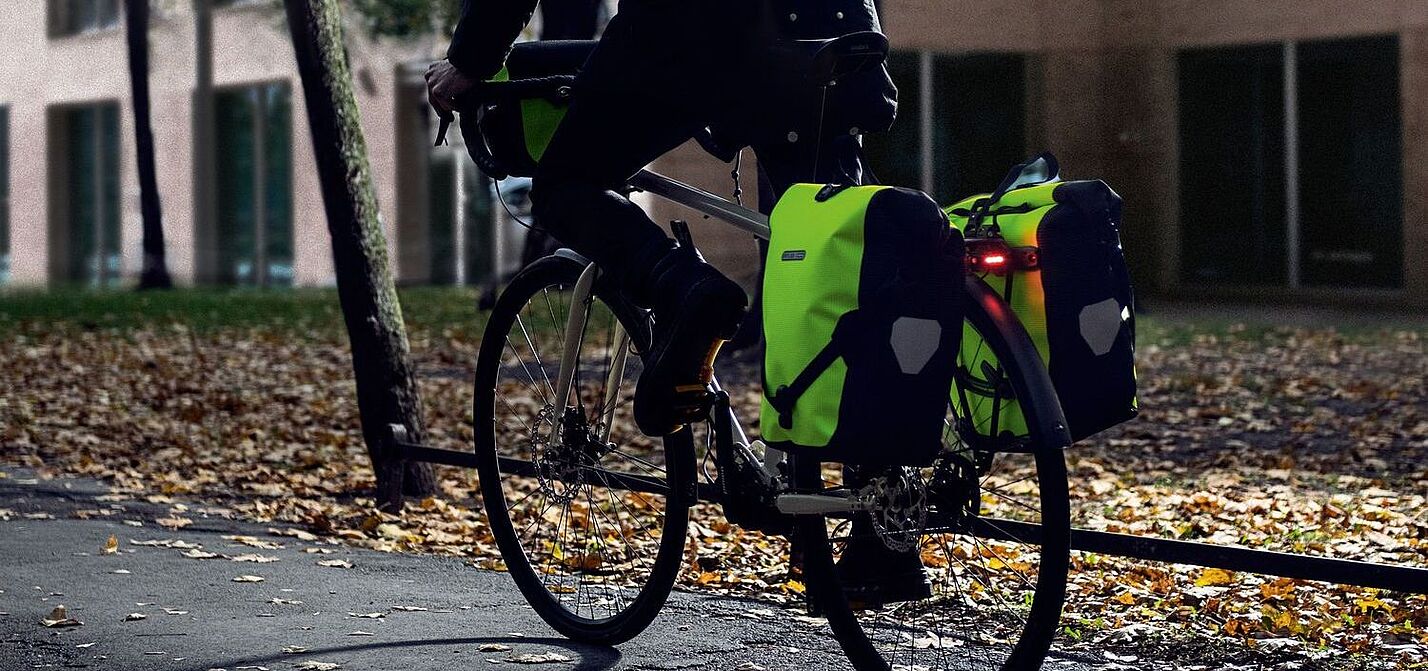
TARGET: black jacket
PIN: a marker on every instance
(485, 33)
(488, 27)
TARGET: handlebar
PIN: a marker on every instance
(555, 88)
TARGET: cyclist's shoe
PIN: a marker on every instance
(696, 309)
(873, 575)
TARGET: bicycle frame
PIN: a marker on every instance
(701, 201)
(1332, 570)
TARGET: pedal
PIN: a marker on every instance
(692, 403)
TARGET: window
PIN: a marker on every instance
(254, 185)
(1291, 164)
(452, 234)
(85, 186)
(4, 194)
(978, 122)
(1350, 168)
(1232, 165)
(961, 123)
(74, 17)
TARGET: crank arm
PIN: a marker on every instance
(820, 504)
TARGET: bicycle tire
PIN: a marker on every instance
(990, 316)
(678, 457)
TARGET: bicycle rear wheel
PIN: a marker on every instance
(589, 514)
(992, 528)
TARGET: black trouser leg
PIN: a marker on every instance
(637, 98)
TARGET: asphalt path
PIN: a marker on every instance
(387, 611)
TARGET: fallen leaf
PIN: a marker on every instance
(1214, 577)
(293, 649)
(174, 523)
(285, 602)
(87, 645)
(254, 542)
(254, 558)
(493, 647)
(410, 609)
(541, 658)
(59, 618)
(335, 563)
(360, 633)
(131, 617)
(369, 616)
(249, 578)
(200, 554)
(111, 546)
(317, 666)
(295, 533)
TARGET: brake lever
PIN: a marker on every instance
(441, 131)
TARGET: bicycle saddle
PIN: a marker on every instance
(846, 55)
(549, 57)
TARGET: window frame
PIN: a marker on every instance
(1293, 160)
(262, 273)
(6, 250)
(60, 23)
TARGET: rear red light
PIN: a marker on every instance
(993, 255)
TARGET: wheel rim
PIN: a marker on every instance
(584, 547)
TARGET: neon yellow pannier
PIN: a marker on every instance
(1063, 272)
(862, 314)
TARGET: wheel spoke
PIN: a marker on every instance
(587, 541)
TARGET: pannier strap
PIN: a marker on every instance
(786, 396)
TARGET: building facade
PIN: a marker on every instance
(1266, 149)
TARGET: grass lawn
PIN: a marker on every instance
(308, 311)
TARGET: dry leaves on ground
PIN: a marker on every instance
(1293, 439)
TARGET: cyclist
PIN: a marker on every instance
(662, 71)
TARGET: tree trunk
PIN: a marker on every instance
(155, 274)
(386, 387)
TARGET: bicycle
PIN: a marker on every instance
(591, 517)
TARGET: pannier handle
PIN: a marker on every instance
(1043, 169)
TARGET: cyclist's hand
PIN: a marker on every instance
(444, 84)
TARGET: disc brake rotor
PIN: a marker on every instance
(897, 504)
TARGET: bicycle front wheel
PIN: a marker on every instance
(589, 514)
(990, 520)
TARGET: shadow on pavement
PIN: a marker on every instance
(588, 657)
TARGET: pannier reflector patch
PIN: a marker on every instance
(1100, 324)
(914, 341)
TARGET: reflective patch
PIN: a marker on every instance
(914, 341)
(1100, 324)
